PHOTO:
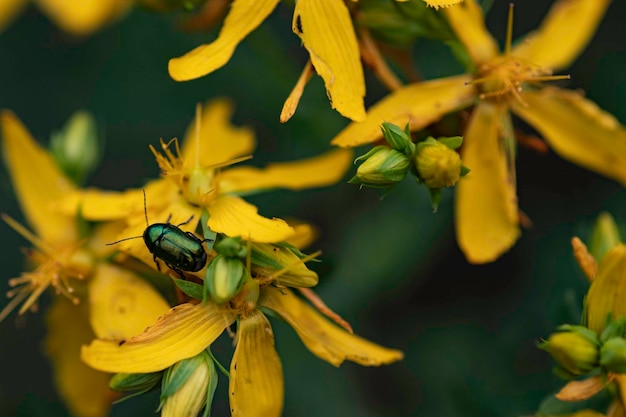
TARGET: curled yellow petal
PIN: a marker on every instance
(218, 140)
(326, 30)
(121, 303)
(9, 10)
(486, 202)
(607, 294)
(555, 45)
(441, 3)
(578, 130)
(235, 217)
(84, 390)
(468, 22)
(582, 390)
(85, 16)
(37, 181)
(418, 104)
(244, 16)
(256, 374)
(318, 171)
(322, 338)
(183, 332)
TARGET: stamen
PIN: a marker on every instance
(509, 30)
(229, 162)
(310, 295)
(291, 104)
(26, 234)
(371, 55)
(286, 269)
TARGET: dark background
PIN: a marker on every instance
(391, 267)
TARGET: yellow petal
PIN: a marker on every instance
(256, 374)
(84, 390)
(468, 22)
(486, 202)
(420, 104)
(218, 140)
(620, 379)
(555, 44)
(322, 338)
(181, 333)
(121, 303)
(582, 390)
(326, 30)
(37, 181)
(607, 293)
(440, 3)
(85, 16)
(235, 217)
(9, 10)
(244, 16)
(304, 234)
(318, 171)
(577, 130)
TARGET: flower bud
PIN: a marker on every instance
(575, 352)
(382, 167)
(613, 355)
(288, 267)
(134, 382)
(437, 165)
(224, 278)
(76, 147)
(188, 386)
(605, 235)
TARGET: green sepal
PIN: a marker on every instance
(452, 142)
(605, 235)
(219, 365)
(614, 328)
(176, 375)
(190, 288)
(141, 383)
(210, 393)
(429, 141)
(209, 235)
(465, 170)
(231, 247)
(259, 258)
(371, 152)
(398, 139)
(588, 334)
(435, 198)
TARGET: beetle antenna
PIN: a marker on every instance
(122, 240)
(145, 209)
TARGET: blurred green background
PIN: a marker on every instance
(391, 267)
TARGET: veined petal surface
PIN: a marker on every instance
(183, 332)
(37, 181)
(244, 16)
(256, 374)
(418, 104)
(121, 303)
(555, 44)
(577, 129)
(487, 222)
(218, 140)
(322, 338)
(318, 171)
(326, 30)
(85, 16)
(233, 216)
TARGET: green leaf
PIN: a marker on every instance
(190, 288)
(453, 142)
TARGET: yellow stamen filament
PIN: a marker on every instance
(310, 295)
(27, 234)
(288, 268)
(509, 30)
(291, 104)
(371, 56)
(585, 260)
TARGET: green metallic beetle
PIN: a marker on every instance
(180, 250)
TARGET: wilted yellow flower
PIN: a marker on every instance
(487, 219)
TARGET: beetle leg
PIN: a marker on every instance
(185, 222)
(169, 217)
(154, 258)
(178, 271)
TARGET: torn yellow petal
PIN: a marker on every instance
(441, 3)
(9, 10)
(420, 104)
(121, 303)
(181, 333)
(37, 181)
(235, 217)
(326, 30)
(85, 16)
(607, 293)
(468, 22)
(318, 171)
(578, 130)
(556, 44)
(84, 390)
(321, 337)
(218, 140)
(244, 16)
(256, 374)
(487, 222)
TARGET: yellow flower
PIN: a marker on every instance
(326, 31)
(256, 379)
(76, 17)
(102, 298)
(487, 219)
(193, 181)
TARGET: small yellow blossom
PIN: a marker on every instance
(487, 218)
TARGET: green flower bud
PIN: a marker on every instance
(224, 278)
(76, 147)
(272, 260)
(437, 165)
(188, 386)
(232, 247)
(605, 235)
(573, 351)
(134, 382)
(382, 167)
(398, 139)
(613, 355)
